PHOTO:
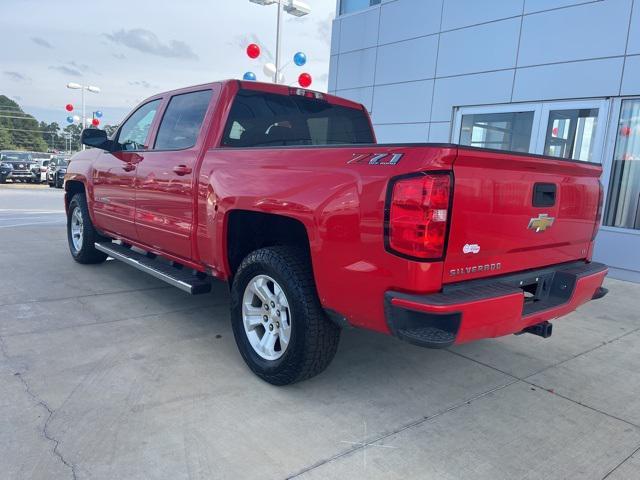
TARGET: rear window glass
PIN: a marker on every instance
(259, 119)
(182, 121)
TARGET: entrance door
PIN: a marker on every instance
(619, 236)
(165, 178)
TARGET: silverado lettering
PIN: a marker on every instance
(271, 189)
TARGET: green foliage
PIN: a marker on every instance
(22, 129)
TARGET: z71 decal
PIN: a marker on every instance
(376, 158)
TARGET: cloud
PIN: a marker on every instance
(74, 72)
(16, 76)
(73, 69)
(143, 84)
(119, 56)
(41, 41)
(324, 29)
(146, 41)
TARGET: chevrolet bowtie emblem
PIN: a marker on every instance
(541, 222)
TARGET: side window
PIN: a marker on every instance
(182, 121)
(134, 131)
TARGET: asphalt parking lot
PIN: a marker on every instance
(106, 373)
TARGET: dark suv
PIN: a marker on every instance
(16, 166)
(55, 171)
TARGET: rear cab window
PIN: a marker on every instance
(260, 119)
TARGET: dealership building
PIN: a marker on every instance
(552, 77)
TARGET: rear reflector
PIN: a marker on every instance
(417, 216)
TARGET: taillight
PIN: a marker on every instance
(418, 210)
(596, 226)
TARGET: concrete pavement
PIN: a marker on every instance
(107, 373)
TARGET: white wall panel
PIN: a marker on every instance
(491, 46)
(407, 61)
(439, 132)
(359, 30)
(404, 19)
(631, 76)
(402, 102)
(360, 95)
(333, 72)
(407, 133)
(634, 33)
(593, 78)
(592, 30)
(356, 69)
(335, 37)
(462, 13)
(480, 89)
(531, 6)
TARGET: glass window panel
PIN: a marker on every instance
(623, 204)
(134, 131)
(502, 131)
(349, 6)
(571, 134)
(182, 120)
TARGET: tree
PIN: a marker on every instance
(23, 129)
(5, 139)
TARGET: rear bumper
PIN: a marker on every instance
(492, 307)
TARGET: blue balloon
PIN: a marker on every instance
(249, 76)
(300, 59)
(98, 114)
(70, 119)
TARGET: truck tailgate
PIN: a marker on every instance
(514, 212)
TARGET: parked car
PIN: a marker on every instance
(21, 165)
(56, 170)
(283, 193)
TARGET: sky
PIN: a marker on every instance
(133, 49)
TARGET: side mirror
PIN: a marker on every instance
(94, 137)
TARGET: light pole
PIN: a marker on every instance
(90, 88)
(296, 8)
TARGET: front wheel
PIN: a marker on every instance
(81, 234)
(278, 323)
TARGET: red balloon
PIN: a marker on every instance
(69, 107)
(95, 122)
(253, 50)
(304, 80)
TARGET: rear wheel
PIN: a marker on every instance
(81, 234)
(279, 325)
(3, 179)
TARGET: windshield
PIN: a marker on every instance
(15, 156)
(259, 119)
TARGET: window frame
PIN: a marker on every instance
(165, 108)
(540, 122)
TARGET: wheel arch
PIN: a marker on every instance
(248, 230)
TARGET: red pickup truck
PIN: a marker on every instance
(283, 193)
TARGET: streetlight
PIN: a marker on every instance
(297, 8)
(90, 88)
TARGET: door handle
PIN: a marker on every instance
(181, 170)
(128, 167)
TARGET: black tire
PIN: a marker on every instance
(3, 179)
(50, 185)
(314, 338)
(87, 253)
(59, 181)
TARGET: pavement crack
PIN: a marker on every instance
(50, 413)
(407, 426)
(621, 463)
